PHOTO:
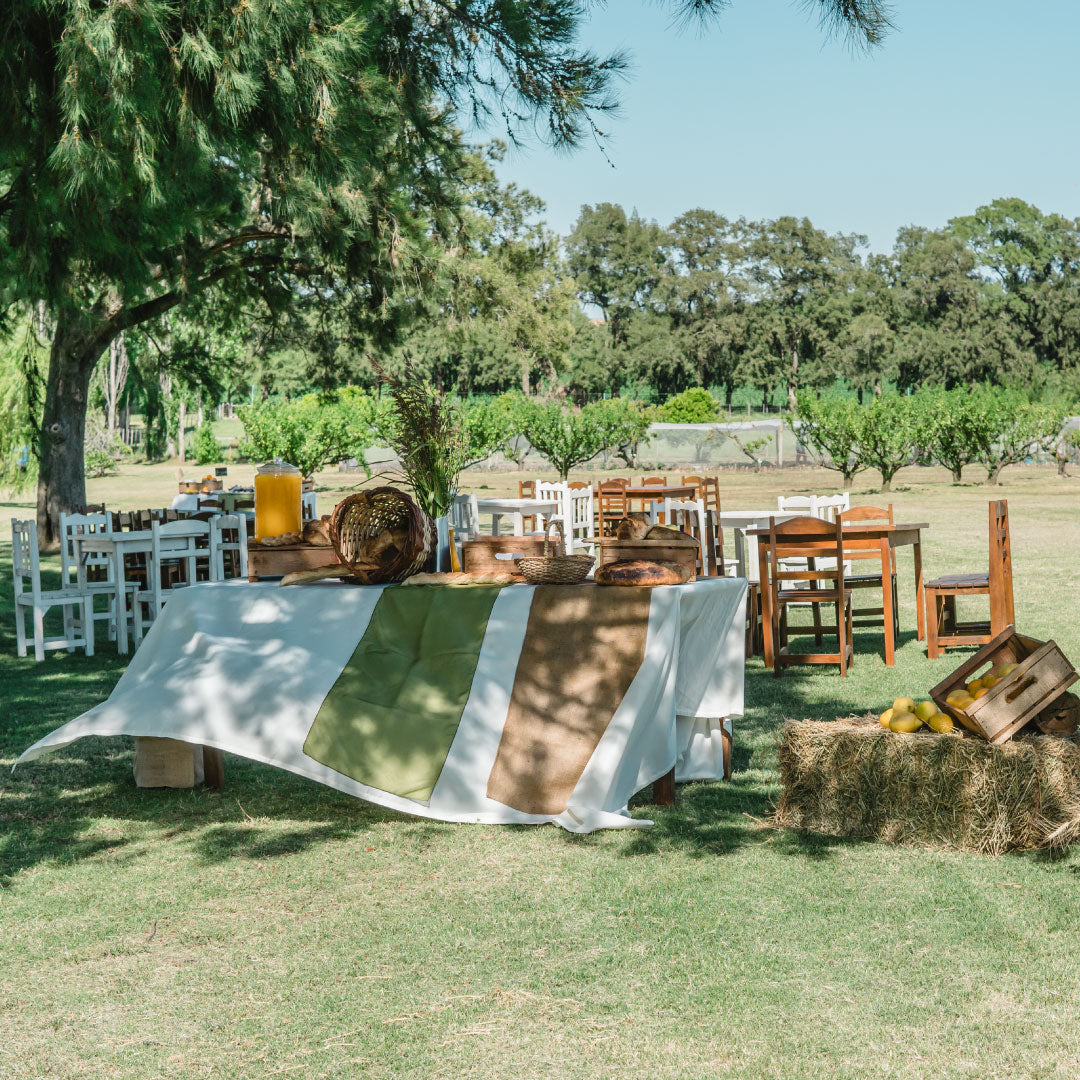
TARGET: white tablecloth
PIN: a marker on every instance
(245, 668)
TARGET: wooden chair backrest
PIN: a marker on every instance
(25, 558)
(610, 507)
(578, 485)
(867, 515)
(611, 482)
(526, 489)
(708, 488)
(1001, 584)
(806, 538)
(654, 481)
(91, 508)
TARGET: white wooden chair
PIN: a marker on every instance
(557, 491)
(689, 515)
(825, 507)
(176, 542)
(26, 569)
(580, 512)
(464, 517)
(102, 584)
(228, 532)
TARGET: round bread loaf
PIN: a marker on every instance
(642, 572)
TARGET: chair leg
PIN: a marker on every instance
(816, 611)
(39, 634)
(933, 614)
(842, 612)
(851, 633)
(20, 629)
(779, 636)
(88, 625)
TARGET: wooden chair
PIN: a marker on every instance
(26, 569)
(95, 575)
(611, 506)
(943, 630)
(527, 490)
(870, 616)
(654, 481)
(228, 547)
(809, 538)
(708, 488)
(90, 508)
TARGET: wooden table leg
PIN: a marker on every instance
(663, 790)
(887, 601)
(213, 768)
(767, 643)
(920, 598)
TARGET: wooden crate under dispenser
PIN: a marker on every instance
(675, 550)
(481, 556)
(1041, 676)
(275, 562)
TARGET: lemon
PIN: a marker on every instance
(979, 693)
(905, 723)
(975, 684)
(1006, 669)
(903, 705)
(940, 723)
(990, 681)
(925, 709)
(955, 696)
(885, 717)
(962, 700)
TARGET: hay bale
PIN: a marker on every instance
(852, 778)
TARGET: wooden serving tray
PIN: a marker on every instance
(1043, 674)
(275, 562)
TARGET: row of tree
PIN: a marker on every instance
(988, 426)
(777, 304)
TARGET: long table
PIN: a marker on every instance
(521, 704)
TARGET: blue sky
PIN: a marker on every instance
(763, 115)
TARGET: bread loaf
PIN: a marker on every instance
(632, 527)
(642, 572)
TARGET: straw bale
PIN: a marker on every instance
(852, 778)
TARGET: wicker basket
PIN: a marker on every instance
(548, 569)
(387, 515)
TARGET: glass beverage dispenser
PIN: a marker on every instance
(277, 499)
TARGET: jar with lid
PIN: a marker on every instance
(277, 499)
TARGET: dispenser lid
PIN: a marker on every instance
(277, 467)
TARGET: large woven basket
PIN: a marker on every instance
(386, 516)
(548, 569)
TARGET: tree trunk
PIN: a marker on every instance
(61, 472)
(993, 474)
(956, 474)
(525, 381)
(181, 447)
(793, 382)
(886, 482)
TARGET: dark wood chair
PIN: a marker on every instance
(527, 490)
(708, 490)
(871, 616)
(611, 507)
(943, 629)
(811, 539)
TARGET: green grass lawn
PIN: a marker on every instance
(278, 928)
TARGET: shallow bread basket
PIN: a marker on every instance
(358, 519)
(548, 569)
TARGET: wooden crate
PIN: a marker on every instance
(683, 552)
(1042, 675)
(275, 562)
(167, 763)
(481, 555)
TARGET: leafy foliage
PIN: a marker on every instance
(833, 427)
(204, 445)
(314, 431)
(693, 406)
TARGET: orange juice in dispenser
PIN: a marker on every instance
(277, 499)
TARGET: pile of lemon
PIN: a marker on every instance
(906, 717)
(961, 699)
